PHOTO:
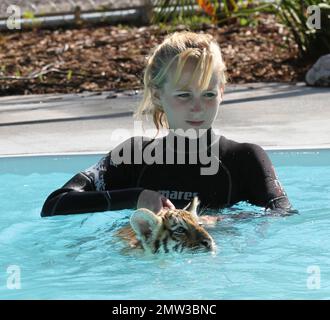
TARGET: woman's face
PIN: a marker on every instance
(188, 106)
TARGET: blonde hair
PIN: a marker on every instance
(179, 47)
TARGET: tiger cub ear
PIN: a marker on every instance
(192, 206)
(145, 223)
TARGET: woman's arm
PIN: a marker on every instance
(78, 195)
(260, 182)
(107, 185)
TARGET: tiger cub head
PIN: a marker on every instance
(170, 230)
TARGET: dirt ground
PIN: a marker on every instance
(112, 58)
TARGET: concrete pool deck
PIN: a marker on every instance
(273, 115)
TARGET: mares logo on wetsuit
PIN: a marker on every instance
(178, 195)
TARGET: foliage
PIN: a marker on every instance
(220, 11)
(298, 16)
(295, 14)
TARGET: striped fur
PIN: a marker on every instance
(171, 230)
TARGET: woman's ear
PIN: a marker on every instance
(155, 96)
(222, 90)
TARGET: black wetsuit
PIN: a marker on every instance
(242, 172)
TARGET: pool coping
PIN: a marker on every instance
(276, 116)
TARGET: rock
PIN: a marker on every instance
(319, 74)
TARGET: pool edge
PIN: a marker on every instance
(294, 148)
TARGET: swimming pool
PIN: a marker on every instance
(75, 257)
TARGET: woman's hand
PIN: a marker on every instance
(153, 201)
(209, 221)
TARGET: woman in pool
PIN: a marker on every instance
(184, 83)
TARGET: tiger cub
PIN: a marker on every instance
(171, 230)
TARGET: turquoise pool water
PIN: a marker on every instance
(76, 257)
